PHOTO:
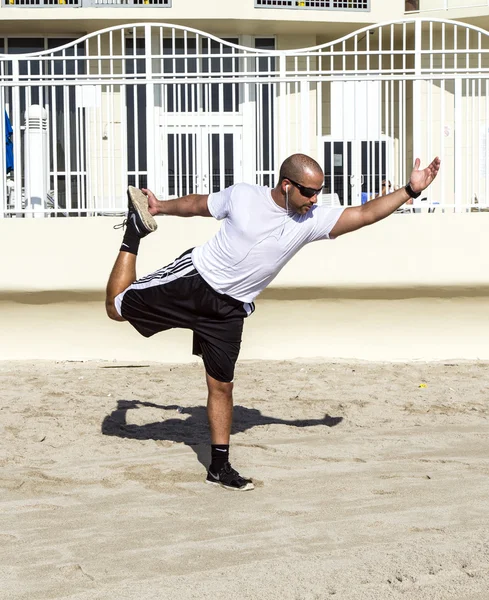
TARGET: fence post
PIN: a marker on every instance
(305, 117)
(458, 144)
(283, 147)
(151, 153)
(417, 83)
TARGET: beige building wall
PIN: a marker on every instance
(214, 16)
(222, 17)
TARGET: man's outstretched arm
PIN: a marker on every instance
(377, 209)
(193, 205)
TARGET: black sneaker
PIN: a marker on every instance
(138, 215)
(230, 479)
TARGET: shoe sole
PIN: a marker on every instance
(140, 205)
(246, 488)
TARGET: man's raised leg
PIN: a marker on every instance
(139, 223)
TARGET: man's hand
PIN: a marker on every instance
(153, 203)
(355, 217)
(420, 180)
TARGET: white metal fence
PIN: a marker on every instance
(180, 111)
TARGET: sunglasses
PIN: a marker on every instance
(308, 192)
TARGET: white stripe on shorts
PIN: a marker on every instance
(179, 268)
(249, 308)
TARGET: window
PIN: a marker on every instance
(315, 4)
(41, 3)
(183, 97)
(411, 5)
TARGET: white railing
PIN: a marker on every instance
(86, 3)
(315, 4)
(180, 111)
(126, 3)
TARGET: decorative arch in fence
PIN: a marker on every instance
(181, 111)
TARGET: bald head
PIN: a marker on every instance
(301, 180)
(298, 165)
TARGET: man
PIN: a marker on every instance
(385, 189)
(210, 289)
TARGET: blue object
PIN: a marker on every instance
(364, 197)
(9, 145)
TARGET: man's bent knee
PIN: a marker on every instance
(112, 311)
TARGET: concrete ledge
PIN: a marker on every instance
(405, 251)
(414, 287)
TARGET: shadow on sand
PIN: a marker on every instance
(190, 427)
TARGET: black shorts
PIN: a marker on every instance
(176, 296)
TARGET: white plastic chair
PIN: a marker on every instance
(330, 200)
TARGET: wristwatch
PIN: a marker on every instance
(410, 191)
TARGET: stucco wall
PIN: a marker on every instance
(412, 287)
(405, 250)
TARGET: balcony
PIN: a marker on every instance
(315, 4)
(85, 3)
(431, 5)
(40, 3)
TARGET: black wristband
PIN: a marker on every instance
(411, 192)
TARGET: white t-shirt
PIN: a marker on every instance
(256, 239)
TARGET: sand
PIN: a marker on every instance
(372, 482)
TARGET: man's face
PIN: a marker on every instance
(298, 197)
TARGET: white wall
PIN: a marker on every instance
(412, 287)
(405, 250)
